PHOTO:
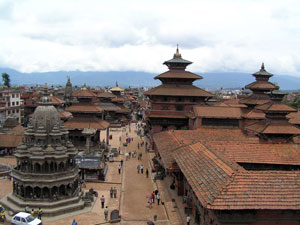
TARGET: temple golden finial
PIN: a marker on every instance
(177, 55)
(69, 79)
(84, 87)
(262, 66)
(117, 84)
(46, 87)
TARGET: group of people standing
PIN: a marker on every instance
(151, 198)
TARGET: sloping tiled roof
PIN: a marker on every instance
(221, 184)
(206, 173)
(88, 108)
(283, 154)
(166, 114)
(64, 114)
(178, 90)
(256, 99)
(56, 101)
(217, 112)
(254, 114)
(276, 107)
(262, 85)
(273, 128)
(106, 95)
(83, 93)
(294, 117)
(261, 190)
(167, 141)
(108, 106)
(179, 74)
(86, 122)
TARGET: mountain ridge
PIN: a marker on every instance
(225, 80)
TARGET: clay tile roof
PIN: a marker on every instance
(10, 140)
(166, 114)
(276, 107)
(118, 99)
(178, 90)
(86, 122)
(206, 172)
(87, 108)
(123, 110)
(240, 152)
(232, 103)
(64, 114)
(108, 106)
(294, 117)
(273, 128)
(106, 95)
(84, 93)
(261, 85)
(217, 112)
(261, 190)
(254, 114)
(255, 99)
(179, 74)
(56, 101)
(167, 141)
(17, 130)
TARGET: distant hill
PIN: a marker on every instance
(139, 79)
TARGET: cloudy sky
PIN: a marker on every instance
(122, 35)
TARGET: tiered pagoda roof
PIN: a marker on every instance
(177, 81)
(259, 87)
(276, 121)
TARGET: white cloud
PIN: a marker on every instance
(216, 35)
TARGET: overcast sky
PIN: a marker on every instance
(119, 35)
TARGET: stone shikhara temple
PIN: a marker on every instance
(46, 174)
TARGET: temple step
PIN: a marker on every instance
(50, 209)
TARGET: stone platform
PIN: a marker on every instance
(50, 209)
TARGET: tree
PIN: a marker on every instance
(6, 80)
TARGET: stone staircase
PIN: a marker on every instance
(50, 209)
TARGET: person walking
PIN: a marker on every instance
(188, 219)
(147, 173)
(141, 154)
(138, 168)
(119, 169)
(102, 199)
(40, 212)
(74, 222)
(111, 192)
(153, 196)
(106, 213)
(121, 162)
(142, 169)
(156, 192)
(32, 212)
(158, 198)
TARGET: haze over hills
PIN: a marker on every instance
(142, 79)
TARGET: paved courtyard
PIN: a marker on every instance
(132, 189)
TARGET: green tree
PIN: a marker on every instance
(6, 80)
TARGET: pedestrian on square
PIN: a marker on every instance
(158, 198)
(119, 169)
(138, 168)
(188, 219)
(102, 199)
(132, 154)
(142, 169)
(150, 203)
(74, 222)
(40, 213)
(121, 162)
(126, 155)
(138, 145)
(129, 154)
(120, 138)
(141, 155)
(156, 192)
(32, 212)
(115, 192)
(111, 191)
(153, 196)
(147, 173)
(27, 209)
(106, 213)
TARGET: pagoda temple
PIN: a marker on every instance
(46, 174)
(174, 98)
(86, 115)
